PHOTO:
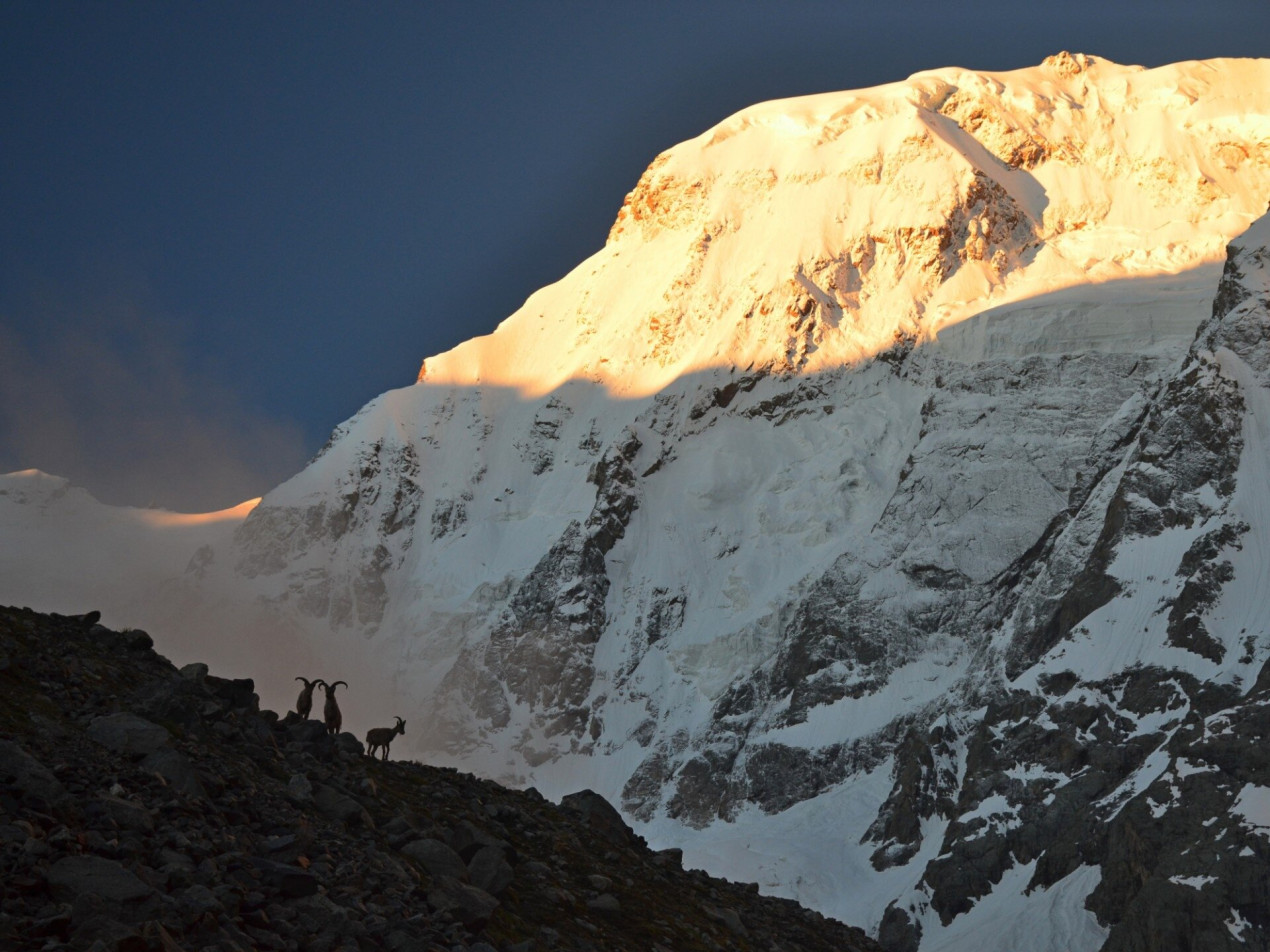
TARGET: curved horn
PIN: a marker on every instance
(306, 681)
(400, 721)
(337, 684)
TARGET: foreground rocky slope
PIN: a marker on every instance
(142, 807)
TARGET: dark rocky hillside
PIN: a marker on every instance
(146, 808)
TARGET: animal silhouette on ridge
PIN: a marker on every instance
(331, 710)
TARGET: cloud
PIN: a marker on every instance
(105, 391)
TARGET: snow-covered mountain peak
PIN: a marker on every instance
(880, 515)
(805, 234)
(1067, 64)
(32, 484)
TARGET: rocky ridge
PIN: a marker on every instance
(144, 807)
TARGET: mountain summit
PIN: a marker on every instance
(879, 515)
(808, 234)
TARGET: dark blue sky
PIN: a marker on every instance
(226, 226)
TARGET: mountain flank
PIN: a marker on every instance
(149, 809)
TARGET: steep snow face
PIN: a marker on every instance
(1092, 776)
(772, 497)
(843, 359)
(1127, 733)
(850, 425)
(807, 234)
(866, 518)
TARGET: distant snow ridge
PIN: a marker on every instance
(882, 514)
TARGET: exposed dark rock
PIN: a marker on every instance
(1231, 290)
(778, 775)
(899, 932)
(926, 780)
(380, 494)
(128, 733)
(23, 773)
(298, 845)
(469, 905)
(541, 650)
(72, 876)
(173, 767)
(703, 789)
(490, 871)
(600, 817)
(435, 857)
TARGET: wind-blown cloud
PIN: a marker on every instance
(117, 402)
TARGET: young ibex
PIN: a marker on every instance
(382, 737)
(331, 710)
(304, 703)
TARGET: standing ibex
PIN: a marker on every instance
(331, 710)
(382, 737)
(304, 703)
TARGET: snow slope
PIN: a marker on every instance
(866, 517)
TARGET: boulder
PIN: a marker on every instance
(174, 768)
(134, 639)
(347, 743)
(300, 789)
(126, 814)
(467, 904)
(605, 903)
(468, 839)
(128, 734)
(308, 734)
(72, 876)
(601, 816)
(340, 806)
(197, 900)
(490, 871)
(236, 693)
(437, 858)
(729, 917)
(20, 770)
(289, 880)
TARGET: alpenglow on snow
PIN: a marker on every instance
(880, 515)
